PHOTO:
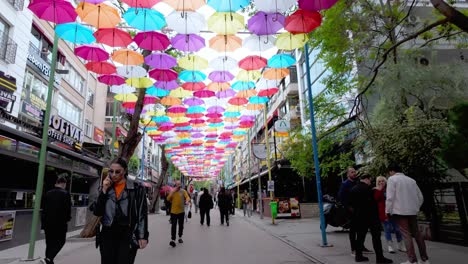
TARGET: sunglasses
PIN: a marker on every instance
(114, 171)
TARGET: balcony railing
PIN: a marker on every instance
(17, 4)
(7, 49)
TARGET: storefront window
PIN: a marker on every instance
(16, 199)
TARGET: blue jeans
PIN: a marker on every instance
(391, 227)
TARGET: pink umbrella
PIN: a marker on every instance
(165, 75)
(193, 101)
(213, 115)
(238, 101)
(197, 121)
(160, 60)
(214, 120)
(177, 109)
(150, 99)
(194, 115)
(55, 11)
(226, 94)
(152, 40)
(138, 3)
(94, 2)
(171, 85)
(91, 53)
(110, 79)
(188, 42)
(221, 76)
(316, 5)
(268, 92)
(204, 94)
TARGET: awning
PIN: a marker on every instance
(7, 82)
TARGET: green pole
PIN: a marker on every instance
(265, 115)
(250, 171)
(114, 127)
(43, 152)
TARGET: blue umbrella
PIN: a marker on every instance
(192, 76)
(241, 86)
(75, 33)
(144, 19)
(281, 61)
(185, 128)
(228, 5)
(232, 114)
(195, 109)
(216, 124)
(160, 119)
(258, 100)
(239, 132)
(157, 92)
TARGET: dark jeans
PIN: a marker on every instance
(115, 246)
(177, 219)
(361, 231)
(352, 238)
(55, 237)
(409, 228)
(224, 215)
(204, 212)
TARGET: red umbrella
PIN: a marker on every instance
(101, 67)
(302, 21)
(113, 37)
(55, 11)
(194, 86)
(129, 104)
(141, 3)
(165, 75)
(268, 92)
(111, 79)
(204, 94)
(152, 40)
(250, 63)
(238, 101)
(91, 53)
(214, 120)
(194, 115)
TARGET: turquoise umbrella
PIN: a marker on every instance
(228, 5)
(258, 100)
(216, 124)
(195, 109)
(192, 76)
(75, 33)
(239, 133)
(144, 19)
(281, 61)
(160, 119)
(232, 114)
(241, 86)
(157, 92)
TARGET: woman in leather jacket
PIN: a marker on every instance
(123, 207)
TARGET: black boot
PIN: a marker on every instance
(384, 260)
(361, 258)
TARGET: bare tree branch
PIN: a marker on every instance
(441, 37)
(453, 15)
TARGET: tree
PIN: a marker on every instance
(134, 165)
(455, 143)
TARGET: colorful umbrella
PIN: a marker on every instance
(167, 85)
(258, 100)
(275, 73)
(316, 5)
(177, 109)
(152, 40)
(218, 86)
(220, 76)
(99, 15)
(101, 67)
(194, 86)
(273, 6)
(253, 107)
(253, 63)
(265, 84)
(55, 11)
(238, 101)
(165, 75)
(180, 93)
(157, 92)
(188, 42)
(247, 76)
(193, 101)
(193, 63)
(75, 33)
(192, 76)
(204, 94)
(93, 1)
(185, 5)
(142, 82)
(281, 61)
(144, 19)
(141, 3)
(289, 41)
(225, 23)
(265, 23)
(223, 63)
(160, 61)
(127, 57)
(131, 71)
(247, 93)
(186, 22)
(303, 21)
(126, 97)
(268, 92)
(196, 109)
(122, 89)
(224, 43)
(259, 43)
(111, 79)
(113, 37)
(169, 100)
(240, 86)
(228, 5)
(91, 53)
(226, 94)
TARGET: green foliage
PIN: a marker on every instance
(198, 185)
(456, 141)
(134, 165)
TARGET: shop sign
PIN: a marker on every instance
(271, 186)
(42, 66)
(288, 207)
(7, 223)
(6, 116)
(7, 88)
(98, 135)
(32, 111)
(65, 132)
(282, 126)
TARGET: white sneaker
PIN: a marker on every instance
(390, 249)
(402, 246)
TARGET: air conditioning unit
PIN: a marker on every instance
(413, 20)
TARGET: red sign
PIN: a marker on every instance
(98, 135)
(191, 188)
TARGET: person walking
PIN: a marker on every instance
(56, 213)
(178, 198)
(123, 209)
(224, 204)
(195, 200)
(245, 199)
(389, 225)
(365, 217)
(206, 204)
(404, 198)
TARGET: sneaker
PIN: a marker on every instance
(172, 243)
(384, 260)
(46, 261)
(367, 251)
(353, 253)
(361, 259)
(402, 246)
(390, 249)
(181, 241)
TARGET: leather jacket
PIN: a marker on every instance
(133, 204)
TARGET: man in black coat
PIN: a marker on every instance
(56, 213)
(224, 204)
(365, 216)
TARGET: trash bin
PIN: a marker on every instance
(274, 209)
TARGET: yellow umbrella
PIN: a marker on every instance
(248, 76)
(127, 57)
(126, 97)
(156, 113)
(198, 125)
(255, 106)
(184, 134)
(234, 108)
(143, 82)
(180, 119)
(100, 15)
(180, 93)
(275, 73)
(289, 41)
(247, 93)
(226, 23)
(154, 132)
(211, 129)
(169, 100)
(185, 5)
(193, 63)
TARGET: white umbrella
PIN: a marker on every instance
(265, 84)
(122, 89)
(259, 43)
(272, 6)
(131, 71)
(223, 63)
(186, 22)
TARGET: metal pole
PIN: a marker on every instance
(143, 156)
(315, 148)
(43, 151)
(265, 115)
(260, 198)
(114, 127)
(250, 170)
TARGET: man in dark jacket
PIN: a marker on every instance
(366, 216)
(55, 215)
(224, 204)
(205, 204)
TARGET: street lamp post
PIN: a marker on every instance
(265, 115)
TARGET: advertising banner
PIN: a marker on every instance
(288, 208)
(7, 222)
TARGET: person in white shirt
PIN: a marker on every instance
(404, 198)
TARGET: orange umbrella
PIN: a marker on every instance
(275, 73)
(218, 86)
(255, 106)
(169, 114)
(169, 100)
(185, 5)
(127, 57)
(100, 15)
(223, 43)
(247, 93)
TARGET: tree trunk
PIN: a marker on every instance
(453, 15)
(162, 178)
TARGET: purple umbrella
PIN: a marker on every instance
(160, 61)
(198, 135)
(316, 5)
(193, 101)
(247, 118)
(221, 76)
(231, 127)
(265, 23)
(215, 109)
(188, 42)
(166, 85)
(226, 94)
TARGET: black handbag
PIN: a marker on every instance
(189, 214)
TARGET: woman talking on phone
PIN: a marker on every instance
(124, 216)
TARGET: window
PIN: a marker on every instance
(36, 86)
(90, 98)
(4, 31)
(43, 47)
(74, 79)
(88, 128)
(69, 111)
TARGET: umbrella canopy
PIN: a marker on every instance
(265, 84)
(247, 76)
(281, 61)
(101, 67)
(122, 89)
(289, 41)
(98, 15)
(169, 100)
(223, 63)
(240, 86)
(142, 82)
(91, 53)
(111, 79)
(141, 3)
(188, 42)
(55, 11)
(226, 94)
(157, 92)
(192, 76)
(224, 43)
(131, 71)
(160, 61)
(258, 100)
(194, 86)
(204, 94)
(126, 97)
(113, 37)
(75, 33)
(180, 93)
(265, 23)
(144, 19)
(303, 21)
(238, 101)
(252, 63)
(225, 23)
(221, 76)
(186, 22)
(259, 43)
(316, 5)
(218, 86)
(127, 57)
(275, 73)
(228, 5)
(165, 75)
(273, 6)
(185, 5)
(193, 101)
(152, 40)
(268, 92)
(167, 85)
(193, 63)
(246, 93)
